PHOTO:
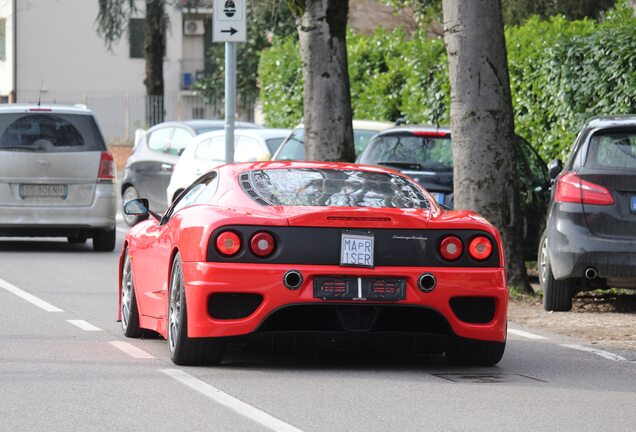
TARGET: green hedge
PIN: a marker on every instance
(561, 73)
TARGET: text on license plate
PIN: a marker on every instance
(42, 190)
(633, 203)
(356, 250)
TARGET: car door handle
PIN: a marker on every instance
(166, 167)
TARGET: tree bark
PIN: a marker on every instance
(322, 30)
(482, 124)
(155, 25)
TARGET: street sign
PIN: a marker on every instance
(229, 21)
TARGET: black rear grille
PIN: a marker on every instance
(474, 310)
(355, 318)
(233, 305)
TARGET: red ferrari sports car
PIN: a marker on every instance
(312, 247)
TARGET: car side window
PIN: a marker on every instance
(216, 149)
(180, 140)
(530, 163)
(206, 186)
(159, 140)
(248, 150)
(201, 152)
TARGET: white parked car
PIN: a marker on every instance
(207, 151)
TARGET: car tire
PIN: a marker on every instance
(128, 308)
(557, 294)
(104, 241)
(184, 350)
(475, 353)
(130, 193)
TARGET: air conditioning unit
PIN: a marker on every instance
(193, 27)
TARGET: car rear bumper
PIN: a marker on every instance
(430, 312)
(44, 220)
(573, 249)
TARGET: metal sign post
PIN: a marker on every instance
(229, 26)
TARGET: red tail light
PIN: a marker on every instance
(228, 243)
(570, 188)
(430, 134)
(451, 248)
(262, 244)
(480, 248)
(106, 167)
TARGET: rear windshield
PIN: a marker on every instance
(330, 187)
(49, 133)
(612, 150)
(414, 152)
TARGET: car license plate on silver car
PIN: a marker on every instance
(356, 250)
(43, 190)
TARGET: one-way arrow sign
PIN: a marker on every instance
(229, 21)
(231, 31)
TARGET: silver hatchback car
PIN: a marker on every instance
(57, 177)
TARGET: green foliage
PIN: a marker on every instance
(281, 83)
(562, 72)
(266, 19)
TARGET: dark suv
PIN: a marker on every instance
(590, 237)
(425, 154)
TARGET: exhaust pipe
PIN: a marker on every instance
(426, 283)
(293, 280)
(591, 273)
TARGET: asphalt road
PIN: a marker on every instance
(65, 366)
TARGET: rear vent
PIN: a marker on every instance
(474, 310)
(233, 305)
(244, 179)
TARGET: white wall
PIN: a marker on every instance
(58, 43)
(6, 66)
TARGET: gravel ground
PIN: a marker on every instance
(607, 320)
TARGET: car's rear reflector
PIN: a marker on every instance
(451, 248)
(228, 243)
(480, 248)
(106, 167)
(431, 134)
(571, 188)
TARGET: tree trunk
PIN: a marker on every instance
(322, 29)
(155, 25)
(482, 124)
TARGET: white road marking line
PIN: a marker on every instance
(131, 350)
(525, 334)
(236, 405)
(29, 297)
(604, 354)
(84, 325)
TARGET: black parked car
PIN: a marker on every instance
(425, 154)
(590, 237)
(157, 150)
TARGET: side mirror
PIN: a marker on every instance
(137, 207)
(554, 168)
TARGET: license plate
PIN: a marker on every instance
(356, 250)
(438, 196)
(634, 203)
(352, 288)
(43, 190)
